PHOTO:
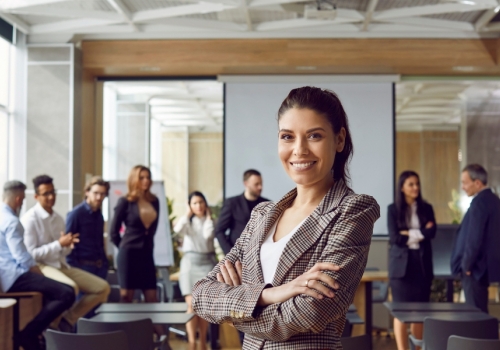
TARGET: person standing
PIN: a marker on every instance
(197, 228)
(19, 272)
(139, 211)
(475, 258)
(86, 218)
(412, 226)
(236, 210)
(47, 242)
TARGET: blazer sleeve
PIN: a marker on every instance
(225, 222)
(395, 238)
(475, 232)
(348, 247)
(429, 233)
(215, 301)
(118, 218)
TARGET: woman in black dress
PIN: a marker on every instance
(138, 211)
(411, 227)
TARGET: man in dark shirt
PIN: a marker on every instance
(236, 210)
(86, 218)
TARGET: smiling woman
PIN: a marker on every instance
(289, 280)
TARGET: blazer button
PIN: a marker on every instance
(242, 314)
(231, 313)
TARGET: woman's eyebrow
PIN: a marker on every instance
(286, 130)
(315, 129)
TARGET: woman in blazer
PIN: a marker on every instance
(289, 280)
(411, 227)
(139, 211)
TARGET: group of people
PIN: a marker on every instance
(291, 267)
(474, 257)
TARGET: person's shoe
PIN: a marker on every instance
(28, 343)
(65, 326)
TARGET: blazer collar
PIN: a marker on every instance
(305, 237)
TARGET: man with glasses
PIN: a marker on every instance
(86, 218)
(47, 242)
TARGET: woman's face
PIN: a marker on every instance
(198, 206)
(307, 146)
(144, 180)
(411, 187)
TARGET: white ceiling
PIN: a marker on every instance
(74, 20)
(197, 105)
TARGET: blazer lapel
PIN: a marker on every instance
(310, 231)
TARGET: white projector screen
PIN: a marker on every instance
(251, 137)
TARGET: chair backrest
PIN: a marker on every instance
(361, 342)
(99, 341)
(139, 333)
(461, 343)
(437, 332)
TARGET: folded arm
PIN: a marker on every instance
(14, 239)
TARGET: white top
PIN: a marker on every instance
(198, 234)
(270, 251)
(415, 236)
(41, 236)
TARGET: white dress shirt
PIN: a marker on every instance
(270, 251)
(414, 233)
(41, 236)
(198, 234)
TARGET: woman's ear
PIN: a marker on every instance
(341, 140)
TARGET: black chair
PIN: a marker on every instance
(140, 332)
(461, 343)
(99, 341)
(437, 332)
(361, 342)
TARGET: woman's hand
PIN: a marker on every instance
(189, 211)
(404, 233)
(430, 224)
(230, 274)
(308, 283)
(208, 213)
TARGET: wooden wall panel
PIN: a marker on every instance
(283, 56)
(434, 156)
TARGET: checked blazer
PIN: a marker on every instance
(338, 231)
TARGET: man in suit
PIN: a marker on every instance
(475, 255)
(236, 210)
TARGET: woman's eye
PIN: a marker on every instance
(286, 137)
(315, 136)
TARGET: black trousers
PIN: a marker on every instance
(57, 298)
(476, 292)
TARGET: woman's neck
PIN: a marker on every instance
(409, 200)
(312, 195)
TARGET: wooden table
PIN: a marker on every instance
(363, 300)
(419, 316)
(159, 318)
(142, 307)
(430, 307)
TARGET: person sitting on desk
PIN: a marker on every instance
(236, 210)
(411, 225)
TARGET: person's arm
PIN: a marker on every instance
(225, 222)
(14, 239)
(348, 248)
(208, 228)
(118, 218)
(430, 228)
(41, 253)
(215, 301)
(395, 236)
(182, 226)
(475, 235)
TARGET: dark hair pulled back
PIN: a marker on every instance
(326, 103)
(196, 194)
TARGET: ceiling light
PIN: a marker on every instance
(305, 68)
(497, 9)
(464, 68)
(467, 2)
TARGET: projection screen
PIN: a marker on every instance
(251, 135)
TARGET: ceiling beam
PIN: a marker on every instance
(432, 22)
(74, 25)
(16, 22)
(14, 4)
(52, 11)
(431, 10)
(369, 14)
(120, 7)
(246, 13)
(300, 23)
(175, 11)
(485, 18)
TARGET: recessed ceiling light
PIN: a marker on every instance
(305, 68)
(149, 69)
(464, 68)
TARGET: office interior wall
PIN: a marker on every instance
(251, 137)
(434, 156)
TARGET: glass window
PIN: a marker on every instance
(4, 150)
(4, 71)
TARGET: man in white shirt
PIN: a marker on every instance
(47, 242)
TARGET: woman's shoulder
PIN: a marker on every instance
(357, 204)
(122, 201)
(426, 205)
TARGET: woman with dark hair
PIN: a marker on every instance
(291, 276)
(139, 211)
(198, 258)
(411, 227)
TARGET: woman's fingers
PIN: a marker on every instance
(232, 273)
(312, 293)
(322, 266)
(225, 275)
(239, 270)
(321, 288)
(220, 278)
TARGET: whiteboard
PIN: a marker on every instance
(251, 137)
(163, 252)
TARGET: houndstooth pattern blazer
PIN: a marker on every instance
(338, 231)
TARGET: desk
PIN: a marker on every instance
(423, 307)
(142, 307)
(363, 300)
(158, 318)
(418, 316)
